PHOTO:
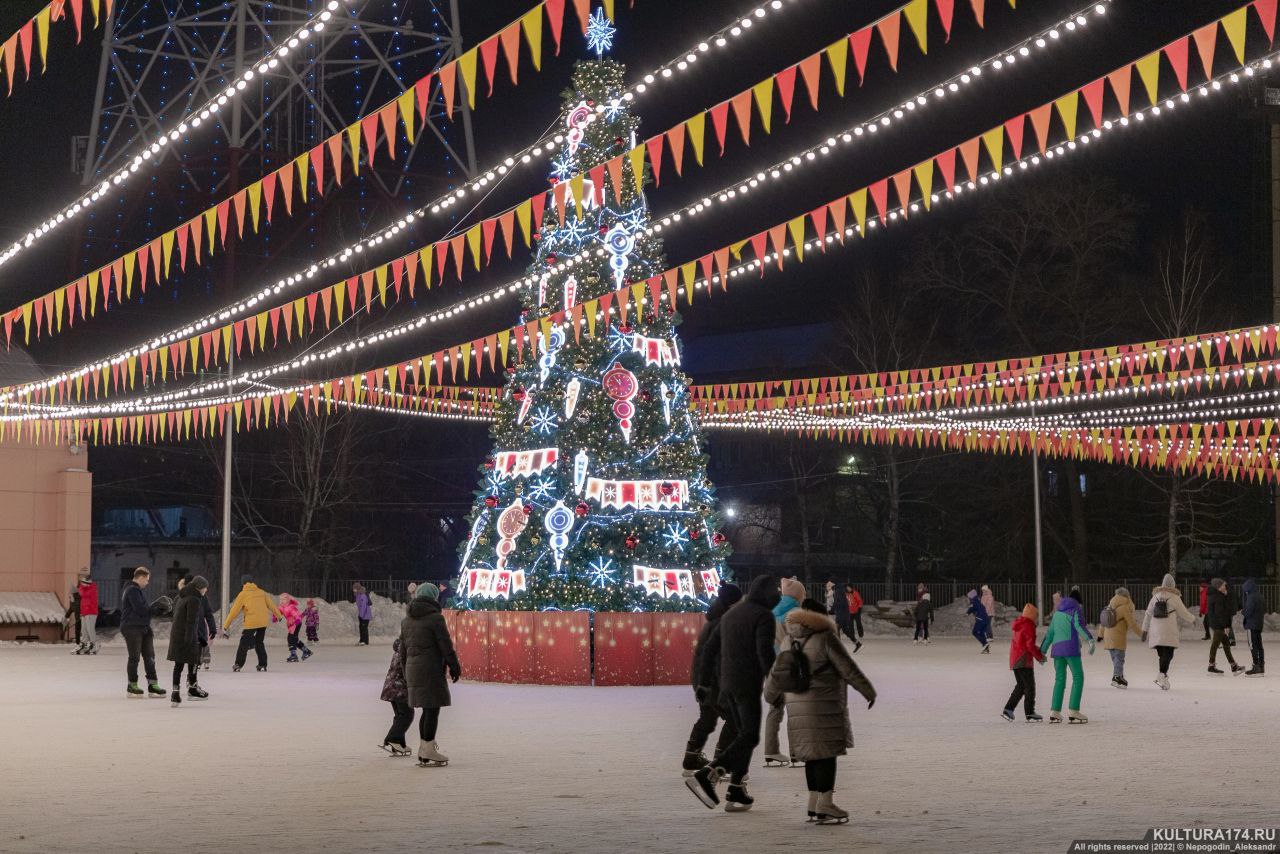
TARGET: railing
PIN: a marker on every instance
(330, 590)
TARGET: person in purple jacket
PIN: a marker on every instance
(1066, 631)
(364, 612)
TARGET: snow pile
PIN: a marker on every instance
(28, 608)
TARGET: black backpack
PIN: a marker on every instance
(792, 672)
(1160, 609)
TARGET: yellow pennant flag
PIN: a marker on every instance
(696, 128)
(166, 246)
(1233, 26)
(467, 65)
(255, 202)
(917, 14)
(763, 92)
(42, 35)
(838, 56)
(299, 308)
(796, 227)
(858, 201)
(1067, 106)
(406, 104)
(211, 226)
(688, 272)
(303, 164)
(473, 242)
(524, 215)
(636, 156)
(261, 323)
(340, 298)
(59, 299)
(576, 189)
(924, 177)
(380, 275)
(1149, 70)
(353, 140)
(130, 261)
(424, 258)
(994, 140)
(531, 23)
(93, 293)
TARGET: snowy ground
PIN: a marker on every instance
(287, 760)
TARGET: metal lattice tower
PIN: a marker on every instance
(162, 56)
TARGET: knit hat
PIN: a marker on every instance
(1030, 612)
(813, 605)
(730, 594)
(199, 582)
(246, 579)
(925, 596)
(794, 588)
(1216, 583)
(1123, 591)
(972, 594)
(986, 589)
(1169, 580)
(427, 590)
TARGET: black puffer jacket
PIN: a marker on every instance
(743, 640)
(134, 610)
(428, 652)
(184, 637)
(1220, 610)
(706, 669)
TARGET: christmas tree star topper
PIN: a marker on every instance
(600, 33)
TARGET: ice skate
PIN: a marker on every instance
(1033, 718)
(175, 698)
(306, 653)
(429, 755)
(79, 650)
(92, 650)
(1256, 670)
(828, 812)
(693, 760)
(813, 806)
(1076, 717)
(703, 785)
(927, 641)
(195, 692)
(1007, 714)
(776, 760)
(262, 668)
(916, 641)
(134, 691)
(737, 799)
(1055, 717)
(292, 659)
(154, 690)
(235, 668)
(1214, 670)
(396, 749)
(1117, 682)
(857, 645)
(986, 648)
(1236, 670)
(1163, 682)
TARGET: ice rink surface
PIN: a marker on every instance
(288, 761)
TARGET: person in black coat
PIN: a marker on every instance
(705, 677)
(1218, 619)
(428, 654)
(743, 642)
(189, 625)
(135, 628)
(1254, 610)
(73, 612)
(206, 624)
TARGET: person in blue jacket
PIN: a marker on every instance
(981, 622)
(793, 593)
(1062, 641)
(1254, 608)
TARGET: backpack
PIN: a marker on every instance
(1107, 619)
(1160, 609)
(791, 671)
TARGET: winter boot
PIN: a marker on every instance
(135, 691)
(737, 799)
(776, 760)
(195, 692)
(429, 755)
(154, 690)
(1055, 717)
(813, 806)
(693, 760)
(1033, 718)
(1213, 668)
(1236, 669)
(703, 785)
(293, 658)
(828, 812)
(857, 645)
(1075, 716)
(1007, 714)
(175, 697)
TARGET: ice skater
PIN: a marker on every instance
(1254, 609)
(293, 624)
(258, 607)
(189, 632)
(1160, 624)
(818, 728)
(311, 619)
(1117, 620)
(838, 608)
(989, 603)
(396, 692)
(981, 622)
(87, 595)
(1066, 630)
(364, 612)
(135, 627)
(743, 640)
(855, 614)
(924, 616)
(705, 677)
(1023, 653)
(1204, 607)
(793, 593)
(428, 653)
(1218, 619)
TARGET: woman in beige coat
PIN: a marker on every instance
(1115, 639)
(818, 728)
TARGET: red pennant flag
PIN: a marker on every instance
(785, 83)
(758, 246)
(1266, 10)
(837, 211)
(583, 8)
(1206, 42)
(946, 11)
(369, 127)
(286, 186)
(819, 217)
(268, 196)
(312, 299)
(317, 166)
(388, 116)
(860, 42)
(1014, 127)
(507, 223)
(742, 112)
(1040, 117)
(510, 40)
(889, 28)
(880, 195)
(969, 152)
(1120, 80)
(489, 59)
(902, 181)
(947, 165)
(538, 207)
(421, 97)
(1092, 93)
(335, 156)
(488, 228)
(448, 74)
(675, 141)
(555, 17)
(1177, 53)
(719, 119)
(654, 147)
(397, 272)
(224, 214)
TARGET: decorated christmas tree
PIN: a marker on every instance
(596, 495)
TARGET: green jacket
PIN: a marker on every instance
(1066, 630)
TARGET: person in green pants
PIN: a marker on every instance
(1062, 641)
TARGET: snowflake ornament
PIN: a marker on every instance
(600, 573)
(541, 489)
(544, 420)
(676, 536)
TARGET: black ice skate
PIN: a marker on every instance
(1007, 714)
(1256, 670)
(693, 760)
(134, 691)
(175, 698)
(703, 785)
(1236, 670)
(262, 668)
(195, 692)
(154, 690)
(306, 653)
(737, 799)
(1213, 668)
(1033, 718)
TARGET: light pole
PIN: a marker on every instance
(227, 427)
(1035, 500)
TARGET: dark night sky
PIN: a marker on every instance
(1206, 158)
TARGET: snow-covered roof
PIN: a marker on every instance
(29, 608)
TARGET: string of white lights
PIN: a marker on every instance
(193, 119)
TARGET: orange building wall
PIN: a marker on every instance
(45, 517)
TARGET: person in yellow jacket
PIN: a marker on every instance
(1115, 638)
(257, 607)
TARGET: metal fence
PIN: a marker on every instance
(330, 590)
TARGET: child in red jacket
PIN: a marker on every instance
(1023, 651)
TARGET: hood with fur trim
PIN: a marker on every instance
(800, 623)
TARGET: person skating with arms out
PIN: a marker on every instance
(811, 676)
(428, 655)
(744, 642)
(1066, 631)
(293, 624)
(1218, 620)
(705, 677)
(981, 622)
(1118, 619)
(188, 628)
(135, 627)
(1023, 654)
(258, 608)
(793, 594)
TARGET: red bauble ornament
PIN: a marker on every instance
(517, 395)
(718, 538)
(617, 140)
(491, 501)
(632, 541)
(537, 235)
(489, 463)
(590, 103)
(528, 509)
(582, 509)
(603, 231)
(695, 533)
(554, 181)
(551, 257)
(511, 371)
(625, 329)
(646, 396)
(667, 488)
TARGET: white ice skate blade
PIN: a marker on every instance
(431, 763)
(828, 819)
(694, 786)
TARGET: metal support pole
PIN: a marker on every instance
(1035, 499)
(242, 12)
(227, 429)
(469, 145)
(95, 127)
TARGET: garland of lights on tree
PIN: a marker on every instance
(596, 496)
